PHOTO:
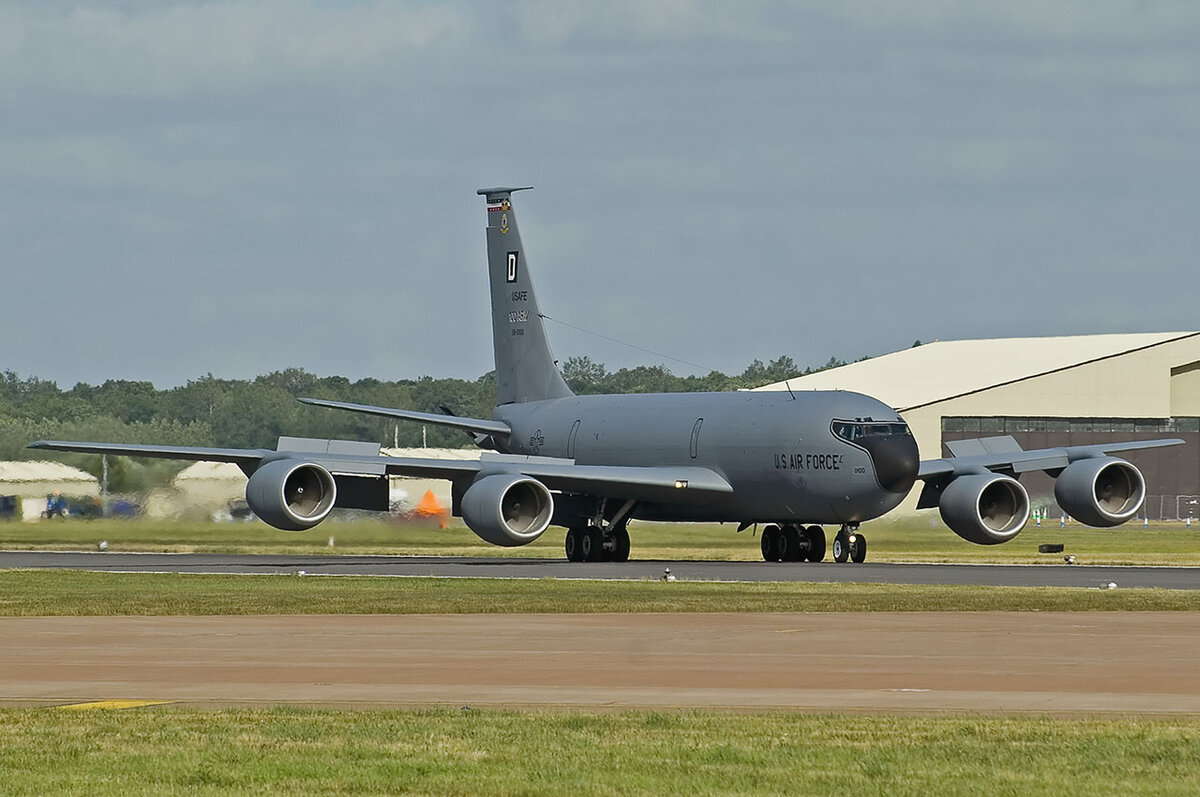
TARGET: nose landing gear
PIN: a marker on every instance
(850, 544)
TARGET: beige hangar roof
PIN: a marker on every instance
(23, 471)
(945, 369)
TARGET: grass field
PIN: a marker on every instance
(26, 593)
(924, 540)
(166, 750)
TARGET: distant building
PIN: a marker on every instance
(33, 481)
(1047, 392)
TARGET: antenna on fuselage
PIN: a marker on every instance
(788, 384)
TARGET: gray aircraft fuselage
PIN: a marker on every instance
(778, 450)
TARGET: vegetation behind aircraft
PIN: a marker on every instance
(253, 413)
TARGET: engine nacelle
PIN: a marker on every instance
(1101, 491)
(291, 494)
(507, 509)
(986, 509)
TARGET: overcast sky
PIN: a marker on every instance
(241, 187)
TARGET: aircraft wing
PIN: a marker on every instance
(357, 458)
(240, 456)
(616, 481)
(469, 424)
(1004, 453)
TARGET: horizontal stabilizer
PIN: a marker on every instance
(435, 418)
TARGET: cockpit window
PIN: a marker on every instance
(858, 429)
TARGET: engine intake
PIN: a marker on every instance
(291, 494)
(507, 509)
(986, 509)
(1102, 491)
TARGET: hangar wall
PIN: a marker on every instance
(1185, 389)
(1142, 394)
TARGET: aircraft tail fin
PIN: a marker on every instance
(525, 367)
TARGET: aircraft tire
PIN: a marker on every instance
(770, 544)
(816, 543)
(792, 545)
(592, 545)
(620, 551)
(574, 544)
(858, 549)
(841, 547)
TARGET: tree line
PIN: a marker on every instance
(253, 413)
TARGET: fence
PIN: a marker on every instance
(1171, 507)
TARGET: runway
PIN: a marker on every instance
(1093, 662)
(461, 567)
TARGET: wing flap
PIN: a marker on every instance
(643, 483)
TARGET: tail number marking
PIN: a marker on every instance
(511, 274)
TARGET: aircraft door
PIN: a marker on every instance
(571, 440)
(695, 447)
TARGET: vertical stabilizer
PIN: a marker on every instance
(525, 368)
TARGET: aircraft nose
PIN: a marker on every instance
(896, 461)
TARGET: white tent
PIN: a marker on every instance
(33, 481)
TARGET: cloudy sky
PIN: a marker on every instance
(241, 187)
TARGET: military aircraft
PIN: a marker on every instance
(790, 461)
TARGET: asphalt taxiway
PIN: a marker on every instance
(466, 567)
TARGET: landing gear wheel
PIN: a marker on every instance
(858, 548)
(574, 544)
(841, 547)
(592, 545)
(792, 549)
(816, 543)
(771, 537)
(620, 551)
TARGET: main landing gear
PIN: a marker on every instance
(600, 539)
(795, 543)
(590, 544)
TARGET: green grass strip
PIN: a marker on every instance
(907, 540)
(451, 751)
(56, 592)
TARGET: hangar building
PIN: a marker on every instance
(1047, 392)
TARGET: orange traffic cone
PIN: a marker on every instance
(430, 508)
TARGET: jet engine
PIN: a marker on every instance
(507, 509)
(986, 509)
(1100, 491)
(291, 494)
